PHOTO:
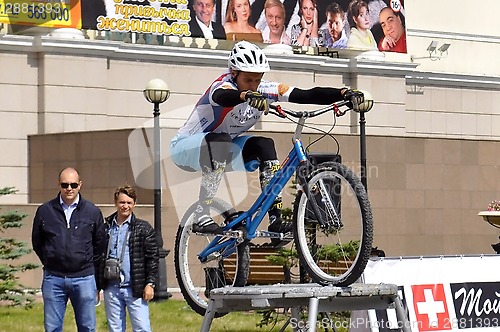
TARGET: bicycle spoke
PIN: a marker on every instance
(195, 278)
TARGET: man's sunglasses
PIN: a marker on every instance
(73, 185)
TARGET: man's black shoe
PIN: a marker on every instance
(207, 225)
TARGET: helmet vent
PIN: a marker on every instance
(248, 57)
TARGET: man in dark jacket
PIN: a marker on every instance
(201, 24)
(68, 236)
(132, 246)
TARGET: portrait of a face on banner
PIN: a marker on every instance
(367, 25)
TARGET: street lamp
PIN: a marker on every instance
(362, 108)
(157, 92)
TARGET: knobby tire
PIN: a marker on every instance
(336, 255)
(193, 275)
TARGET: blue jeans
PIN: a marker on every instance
(56, 291)
(117, 300)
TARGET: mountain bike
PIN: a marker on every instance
(331, 210)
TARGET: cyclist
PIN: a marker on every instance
(212, 139)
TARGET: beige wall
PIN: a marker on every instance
(473, 46)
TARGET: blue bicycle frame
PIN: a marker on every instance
(252, 218)
(260, 207)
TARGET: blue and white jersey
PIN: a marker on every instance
(208, 116)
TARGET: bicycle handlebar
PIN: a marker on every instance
(283, 112)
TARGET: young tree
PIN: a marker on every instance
(11, 291)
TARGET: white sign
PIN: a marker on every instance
(448, 293)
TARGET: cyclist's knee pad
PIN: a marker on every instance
(215, 149)
(261, 148)
(218, 137)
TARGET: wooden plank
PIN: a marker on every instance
(262, 271)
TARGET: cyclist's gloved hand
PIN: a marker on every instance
(356, 97)
(257, 100)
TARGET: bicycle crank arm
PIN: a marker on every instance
(273, 235)
(233, 234)
(227, 234)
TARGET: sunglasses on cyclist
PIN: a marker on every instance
(73, 185)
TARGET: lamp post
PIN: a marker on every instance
(362, 108)
(157, 92)
(362, 148)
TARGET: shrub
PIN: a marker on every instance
(11, 291)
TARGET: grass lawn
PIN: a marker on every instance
(169, 315)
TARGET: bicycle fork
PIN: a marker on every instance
(333, 219)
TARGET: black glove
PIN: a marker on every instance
(256, 100)
(356, 97)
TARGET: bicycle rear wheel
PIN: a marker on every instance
(338, 253)
(195, 278)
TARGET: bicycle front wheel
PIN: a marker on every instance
(335, 253)
(197, 278)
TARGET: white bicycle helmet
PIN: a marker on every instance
(248, 57)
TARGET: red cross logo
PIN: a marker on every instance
(430, 306)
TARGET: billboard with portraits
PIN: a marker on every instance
(339, 24)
